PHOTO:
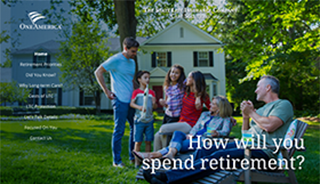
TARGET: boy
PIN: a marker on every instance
(143, 122)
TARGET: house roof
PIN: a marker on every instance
(52, 46)
(159, 72)
(207, 39)
(5, 74)
(209, 76)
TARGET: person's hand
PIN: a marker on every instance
(233, 121)
(154, 100)
(246, 108)
(162, 102)
(110, 95)
(141, 108)
(214, 133)
(189, 136)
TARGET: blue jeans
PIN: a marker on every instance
(145, 129)
(184, 175)
(181, 143)
(122, 112)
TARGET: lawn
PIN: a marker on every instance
(79, 151)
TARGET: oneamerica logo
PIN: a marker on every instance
(34, 17)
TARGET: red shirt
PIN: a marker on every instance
(189, 113)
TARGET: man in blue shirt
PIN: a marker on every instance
(121, 68)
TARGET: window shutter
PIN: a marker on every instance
(81, 97)
(36, 100)
(34, 60)
(169, 62)
(195, 58)
(43, 100)
(48, 60)
(211, 58)
(59, 96)
(153, 58)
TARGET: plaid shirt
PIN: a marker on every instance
(174, 100)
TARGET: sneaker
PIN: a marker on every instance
(121, 165)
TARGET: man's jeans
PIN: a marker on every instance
(122, 112)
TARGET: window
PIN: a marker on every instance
(86, 98)
(203, 59)
(51, 96)
(33, 98)
(41, 59)
(181, 32)
(161, 59)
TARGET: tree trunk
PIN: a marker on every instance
(97, 99)
(127, 22)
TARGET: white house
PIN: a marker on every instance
(181, 43)
(184, 44)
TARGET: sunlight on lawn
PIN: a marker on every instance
(80, 152)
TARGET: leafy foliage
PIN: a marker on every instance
(279, 38)
(81, 54)
(10, 92)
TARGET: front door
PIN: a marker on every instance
(159, 94)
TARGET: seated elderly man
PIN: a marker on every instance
(270, 122)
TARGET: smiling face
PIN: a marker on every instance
(214, 106)
(261, 90)
(174, 75)
(190, 80)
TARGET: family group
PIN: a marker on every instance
(184, 99)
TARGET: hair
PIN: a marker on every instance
(225, 109)
(200, 85)
(273, 82)
(140, 73)
(129, 42)
(182, 77)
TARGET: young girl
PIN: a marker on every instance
(216, 121)
(194, 98)
(174, 90)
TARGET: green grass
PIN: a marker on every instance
(80, 152)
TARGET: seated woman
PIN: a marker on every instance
(192, 102)
(217, 119)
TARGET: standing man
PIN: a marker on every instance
(122, 68)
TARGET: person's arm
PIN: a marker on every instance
(198, 103)
(99, 76)
(135, 106)
(198, 125)
(245, 117)
(163, 102)
(269, 124)
(154, 104)
(226, 128)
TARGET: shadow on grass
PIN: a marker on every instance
(71, 139)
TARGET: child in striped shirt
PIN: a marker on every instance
(174, 90)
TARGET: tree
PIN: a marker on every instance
(10, 92)
(81, 54)
(273, 37)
